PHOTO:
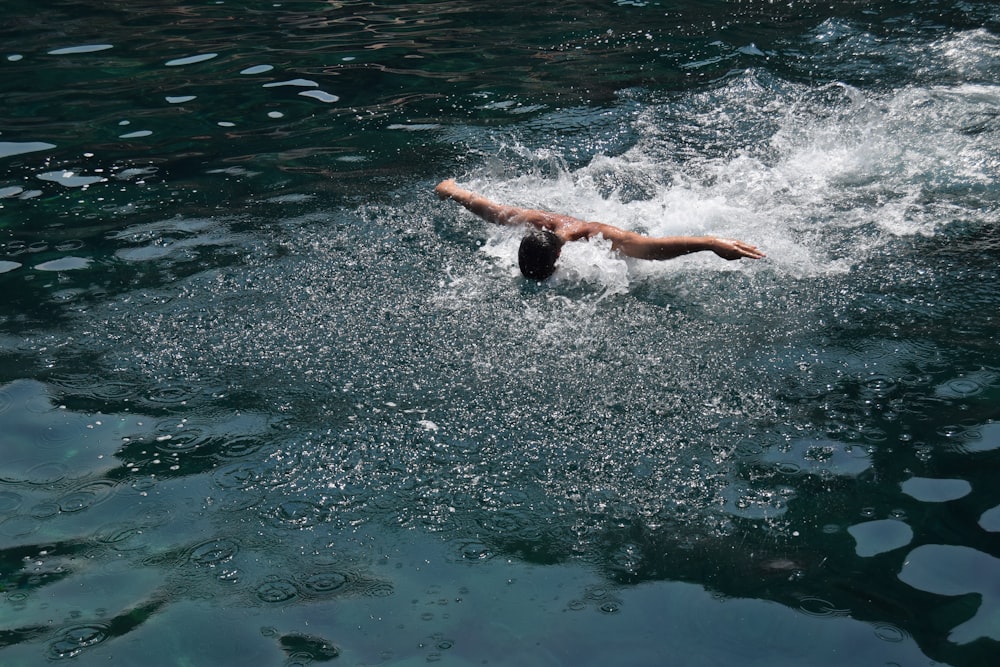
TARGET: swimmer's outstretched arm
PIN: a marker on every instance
(636, 245)
(501, 214)
(568, 228)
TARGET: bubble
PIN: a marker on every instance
(475, 551)
(610, 607)
(880, 385)
(75, 639)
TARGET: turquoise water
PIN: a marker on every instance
(265, 400)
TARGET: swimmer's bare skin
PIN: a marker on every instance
(567, 228)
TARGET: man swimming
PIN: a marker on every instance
(540, 248)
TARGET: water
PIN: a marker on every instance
(264, 399)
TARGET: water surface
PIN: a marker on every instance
(264, 399)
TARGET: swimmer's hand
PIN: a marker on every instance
(446, 188)
(732, 249)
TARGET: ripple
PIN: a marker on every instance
(378, 589)
(881, 385)
(44, 510)
(240, 446)
(87, 495)
(18, 526)
(888, 632)
(9, 501)
(75, 639)
(172, 394)
(122, 537)
(45, 473)
(69, 245)
(276, 591)
(112, 390)
(185, 440)
(984, 438)
(475, 551)
(306, 649)
(321, 584)
(820, 608)
(237, 476)
(213, 552)
(299, 513)
(610, 607)
(818, 457)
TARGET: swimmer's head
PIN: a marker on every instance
(538, 254)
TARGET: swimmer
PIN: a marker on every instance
(540, 248)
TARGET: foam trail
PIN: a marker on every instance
(840, 174)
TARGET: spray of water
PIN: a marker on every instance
(421, 382)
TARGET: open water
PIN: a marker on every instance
(264, 400)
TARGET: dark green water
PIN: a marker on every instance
(265, 400)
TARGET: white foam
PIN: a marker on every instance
(842, 174)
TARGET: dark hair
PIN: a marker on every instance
(538, 254)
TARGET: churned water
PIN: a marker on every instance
(265, 400)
